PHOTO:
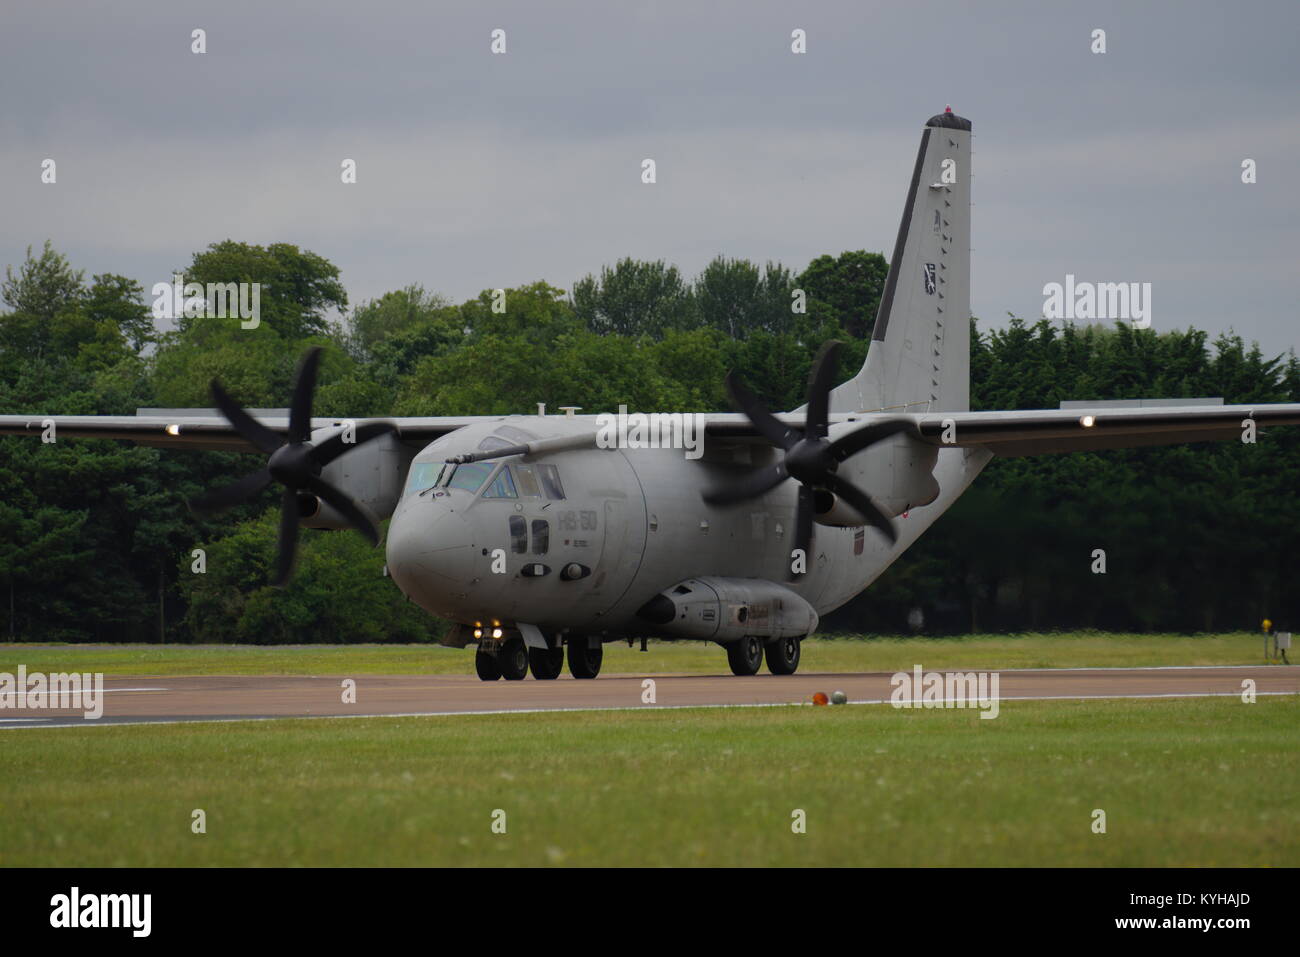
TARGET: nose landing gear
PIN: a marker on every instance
(507, 659)
(512, 659)
(485, 663)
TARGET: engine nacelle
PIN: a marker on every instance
(728, 609)
(371, 474)
(897, 472)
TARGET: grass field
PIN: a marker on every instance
(839, 654)
(1183, 782)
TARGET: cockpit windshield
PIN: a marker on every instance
(424, 475)
(470, 476)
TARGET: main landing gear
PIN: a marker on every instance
(746, 656)
(585, 656)
(512, 659)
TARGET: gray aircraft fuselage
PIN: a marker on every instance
(634, 518)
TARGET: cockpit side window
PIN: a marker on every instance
(470, 476)
(503, 486)
(550, 477)
(526, 481)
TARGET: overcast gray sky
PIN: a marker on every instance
(478, 171)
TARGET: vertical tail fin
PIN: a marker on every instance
(919, 359)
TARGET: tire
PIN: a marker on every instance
(585, 657)
(513, 659)
(745, 656)
(546, 664)
(487, 667)
(783, 656)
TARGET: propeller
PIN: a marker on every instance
(294, 462)
(810, 458)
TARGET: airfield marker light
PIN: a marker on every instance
(820, 699)
(1087, 421)
(839, 697)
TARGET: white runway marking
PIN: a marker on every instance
(647, 707)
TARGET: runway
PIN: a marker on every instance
(138, 700)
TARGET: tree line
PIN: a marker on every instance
(97, 542)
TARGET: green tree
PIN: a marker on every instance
(634, 298)
(399, 313)
(848, 287)
(298, 289)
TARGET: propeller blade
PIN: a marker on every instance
(859, 439)
(288, 537)
(820, 380)
(234, 493)
(748, 486)
(262, 438)
(771, 428)
(334, 446)
(863, 504)
(304, 386)
(346, 507)
(803, 528)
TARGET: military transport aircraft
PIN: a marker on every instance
(534, 539)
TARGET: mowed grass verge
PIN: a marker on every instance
(1088, 649)
(1186, 782)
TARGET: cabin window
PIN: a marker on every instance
(503, 486)
(470, 476)
(550, 477)
(518, 534)
(541, 536)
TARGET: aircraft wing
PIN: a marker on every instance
(1085, 429)
(204, 432)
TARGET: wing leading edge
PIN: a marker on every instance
(1047, 431)
(213, 433)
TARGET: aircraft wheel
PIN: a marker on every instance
(546, 664)
(513, 658)
(745, 656)
(783, 656)
(585, 656)
(487, 666)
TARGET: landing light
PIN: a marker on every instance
(496, 632)
(478, 632)
(1087, 421)
(173, 429)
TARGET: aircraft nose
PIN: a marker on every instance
(429, 547)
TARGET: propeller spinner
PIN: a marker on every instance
(810, 458)
(294, 463)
